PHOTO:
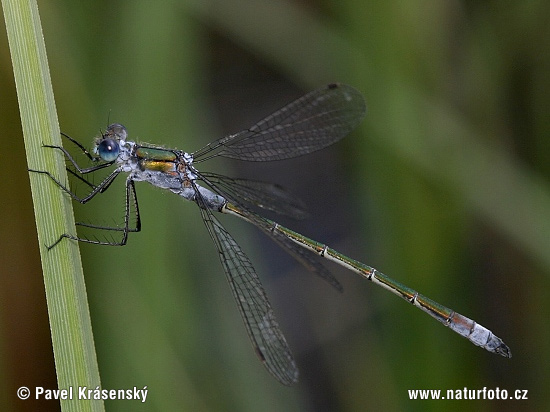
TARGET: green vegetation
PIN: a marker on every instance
(444, 188)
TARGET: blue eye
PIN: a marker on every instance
(108, 150)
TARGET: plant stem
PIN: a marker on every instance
(72, 338)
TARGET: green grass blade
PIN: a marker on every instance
(73, 344)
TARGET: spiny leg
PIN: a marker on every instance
(93, 159)
(100, 188)
(130, 198)
(81, 178)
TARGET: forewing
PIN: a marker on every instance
(313, 122)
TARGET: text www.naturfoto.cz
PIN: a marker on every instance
(465, 393)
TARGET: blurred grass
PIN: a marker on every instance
(446, 183)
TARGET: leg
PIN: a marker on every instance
(95, 189)
(104, 185)
(131, 197)
(92, 158)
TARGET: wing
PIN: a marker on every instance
(307, 258)
(267, 195)
(313, 122)
(257, 314)
(223, 186)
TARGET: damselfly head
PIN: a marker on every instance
(108, 145)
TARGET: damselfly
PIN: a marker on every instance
(310, 123)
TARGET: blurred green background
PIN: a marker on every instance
(444, 187)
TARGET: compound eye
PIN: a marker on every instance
(108, 149)
(117, 130)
